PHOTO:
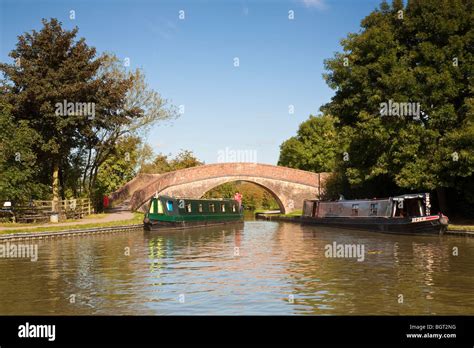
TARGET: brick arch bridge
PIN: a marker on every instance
(288, 186)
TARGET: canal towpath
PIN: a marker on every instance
(120, 213)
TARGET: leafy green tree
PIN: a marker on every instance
(79, 106)
(185, 159)
(419, 53)
(18, 163)
(315, 146)
(137, 108)
(159, 165)
(120, 167)
(163, 164)
(253, 196)
(51, 67)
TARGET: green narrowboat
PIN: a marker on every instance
(166, 212)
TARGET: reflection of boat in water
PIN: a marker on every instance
(408, 213)
(176, 213)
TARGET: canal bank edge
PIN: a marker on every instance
(297, 219)
(69, 233)
(139, 227)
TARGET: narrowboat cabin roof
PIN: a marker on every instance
(194, 199)
(405, 196)
(411, 196)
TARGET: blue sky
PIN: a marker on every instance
(191, 61)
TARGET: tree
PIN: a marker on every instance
(420, 53)
(79, 105)
(315, 146)
(51, 67)
(140, 107)
(226, 190)
(120, 167)
(253, 196)
(163, 164)
(18, 163)
(185, 159)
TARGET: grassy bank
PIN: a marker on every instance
(454, 227)
(292, 214)
(137, 219)
(87, 217)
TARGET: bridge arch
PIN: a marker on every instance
(289, 186)
(281, 205)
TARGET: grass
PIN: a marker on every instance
(293, 213)
(264, 210)
(461, 224)
(137, 219)
(95, 216)
(461, 227)
(12, 224)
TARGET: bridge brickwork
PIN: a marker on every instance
(290, 187)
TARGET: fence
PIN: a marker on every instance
(41, 211)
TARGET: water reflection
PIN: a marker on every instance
(257, 268)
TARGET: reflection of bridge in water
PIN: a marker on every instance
(290, 187)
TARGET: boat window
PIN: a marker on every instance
(355, 209)
(188, 208)
(212, 208)
(152, 208)
(169, 205)
(312, 209)
(223, 208)
(421, 208)
(414, 207)
(400, 208)
(200, 207)
(160, 207)
(233, 208)
(373, 209)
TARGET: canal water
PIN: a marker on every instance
(260, 267)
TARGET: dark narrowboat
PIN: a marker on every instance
(408, 213)
(166, 212)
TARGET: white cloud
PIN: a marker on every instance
(319, 4)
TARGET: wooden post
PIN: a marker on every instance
(55, 207)
(319, 186)
(88, 206)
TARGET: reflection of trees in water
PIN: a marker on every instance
(101, 266)
(423, 269)
(276, 260)
(394, 264)
(73, 276)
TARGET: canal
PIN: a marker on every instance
(259, 267)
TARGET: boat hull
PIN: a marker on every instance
(179, 225)
(387, 225)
